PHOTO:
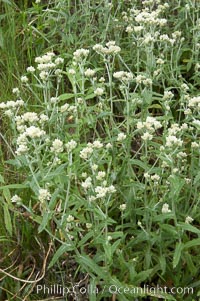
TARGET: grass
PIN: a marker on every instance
(100, 163)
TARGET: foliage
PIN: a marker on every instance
(100, 149)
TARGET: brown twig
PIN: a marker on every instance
(36, 279)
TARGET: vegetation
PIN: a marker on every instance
(100, 150)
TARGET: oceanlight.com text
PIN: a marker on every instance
(114, 289)
(57, 289)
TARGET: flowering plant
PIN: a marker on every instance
(106, 146)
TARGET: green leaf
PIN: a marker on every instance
(108, 252)
(85, 238)
(142, 276)
(162, 217)
(90, 266)
(155, 106)
(7, 2)
(92, 95)
(177, 254)
(192, 243)
(7, 196)
(93, 291)
(1, 179)
(190, 265)
(117, 234)
(196, 179)
(162, 261)
(177, 184)
(14, 186)
(1, 39)
(7, 219)
(15, 162)
(139, 163)
(64, 248)
(188, 227)
(4, 238)
(66, 96)
(115, 245)
(104, 114)
(46, 217)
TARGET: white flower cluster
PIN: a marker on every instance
(147, 136)
(182, 156)
(176, 34)
(168, 95)
(70, 218)
(176, 128)
(100, 175)
(68, 108)
(43, 118)
(102, 191)
(123, 76)
(150, 126)
(142, 79)
(138, 29)
(165, 208)
(150, 18)
(57, 146)
(27, 132)
(11, 106)
(54, 99)
(16, 91)
(121, 136)
(196, 123)
(16, 199)
(44, 195)
(148, 38)
(172, 141)
(185, 87)
(110, 49)
(21, 149)
(166, 38)
(71, 71)
(34, 132)
(29, 118)
(70, 145)
(46, 64)
(89, 72)
(188, 220)
(88, 150)
(129, 29)
(99, 91)
(160, 61)
(24, 79)
(96, 144)
(45, 59)
(80, 54)
(122, 207)
(55, 162)
(155, 178)
(194, 102)
(195, 145)
(30, 69)
(22, 142)
(94, 167)
(87, 183)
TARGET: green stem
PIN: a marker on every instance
(68, 188)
